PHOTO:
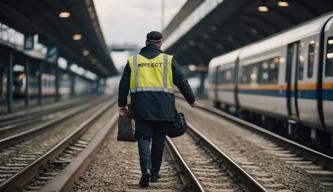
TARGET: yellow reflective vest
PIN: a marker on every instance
(151, 74)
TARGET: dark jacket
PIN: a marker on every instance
(154, 105)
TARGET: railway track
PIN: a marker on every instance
(23, 166)
(195, 164)
(191, 163)
(207, 166)
(300, 149)
(115, 168)
(261, 152)
(23, 121)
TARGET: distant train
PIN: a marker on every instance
(48, 86)
(286, 78)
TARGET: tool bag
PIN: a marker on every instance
(126, 129)
(179, 126)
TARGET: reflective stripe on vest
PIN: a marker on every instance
(151, 74)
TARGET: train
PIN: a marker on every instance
(48, 86)
(284, 81)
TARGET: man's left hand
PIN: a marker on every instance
(122, 111)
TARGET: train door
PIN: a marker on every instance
(291, 79)
(216, 98)
(2, 85)
(327, 76)
(236, 84)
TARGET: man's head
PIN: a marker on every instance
(154, 38)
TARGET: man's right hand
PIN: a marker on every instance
(194, 104)
(122, 111)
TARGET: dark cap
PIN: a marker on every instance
(154, 36)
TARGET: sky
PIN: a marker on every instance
(128, 21)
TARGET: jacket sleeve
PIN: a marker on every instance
(124, 86)
(180, 81)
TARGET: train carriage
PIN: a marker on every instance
(327, 76)
(288, 77)
(222, 81)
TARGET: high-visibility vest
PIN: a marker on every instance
(151, 74)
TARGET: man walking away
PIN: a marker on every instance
(150, 77)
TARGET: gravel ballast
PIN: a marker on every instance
(116, 168)
(282, 169)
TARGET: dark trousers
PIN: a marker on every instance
(155, 132)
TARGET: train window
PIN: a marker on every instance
(220, 76)
(300, 65)
(274, 68)
(212, 76)
(311, 53)
(228, 76)
(329, 58)
(264, 73)
(249, 74)
(269, 70)
(244, 76)
(290, 54)
(254, 74)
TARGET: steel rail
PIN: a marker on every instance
(64, 181)
(220, 156)
(306, 152)
(19, 179)
(175, 154)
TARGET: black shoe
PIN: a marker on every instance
(144, 181)
(155, 178)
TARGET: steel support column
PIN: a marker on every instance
(10, 82)
(71, 79)
(73, 92)
(40, 91)
(27, 79)
(57, 81)
(98, 86)
(69, 75)
(2, 67)
(203, 75)
(103, 86)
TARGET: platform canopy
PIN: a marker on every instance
(70, 25)
(203, 29)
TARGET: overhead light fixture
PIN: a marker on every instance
(64, 14)
(263, 8)
(85, 52)
(330, 42)
(283, 3)
(77, 37)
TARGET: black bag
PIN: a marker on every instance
(179, 126)
(126, 129)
